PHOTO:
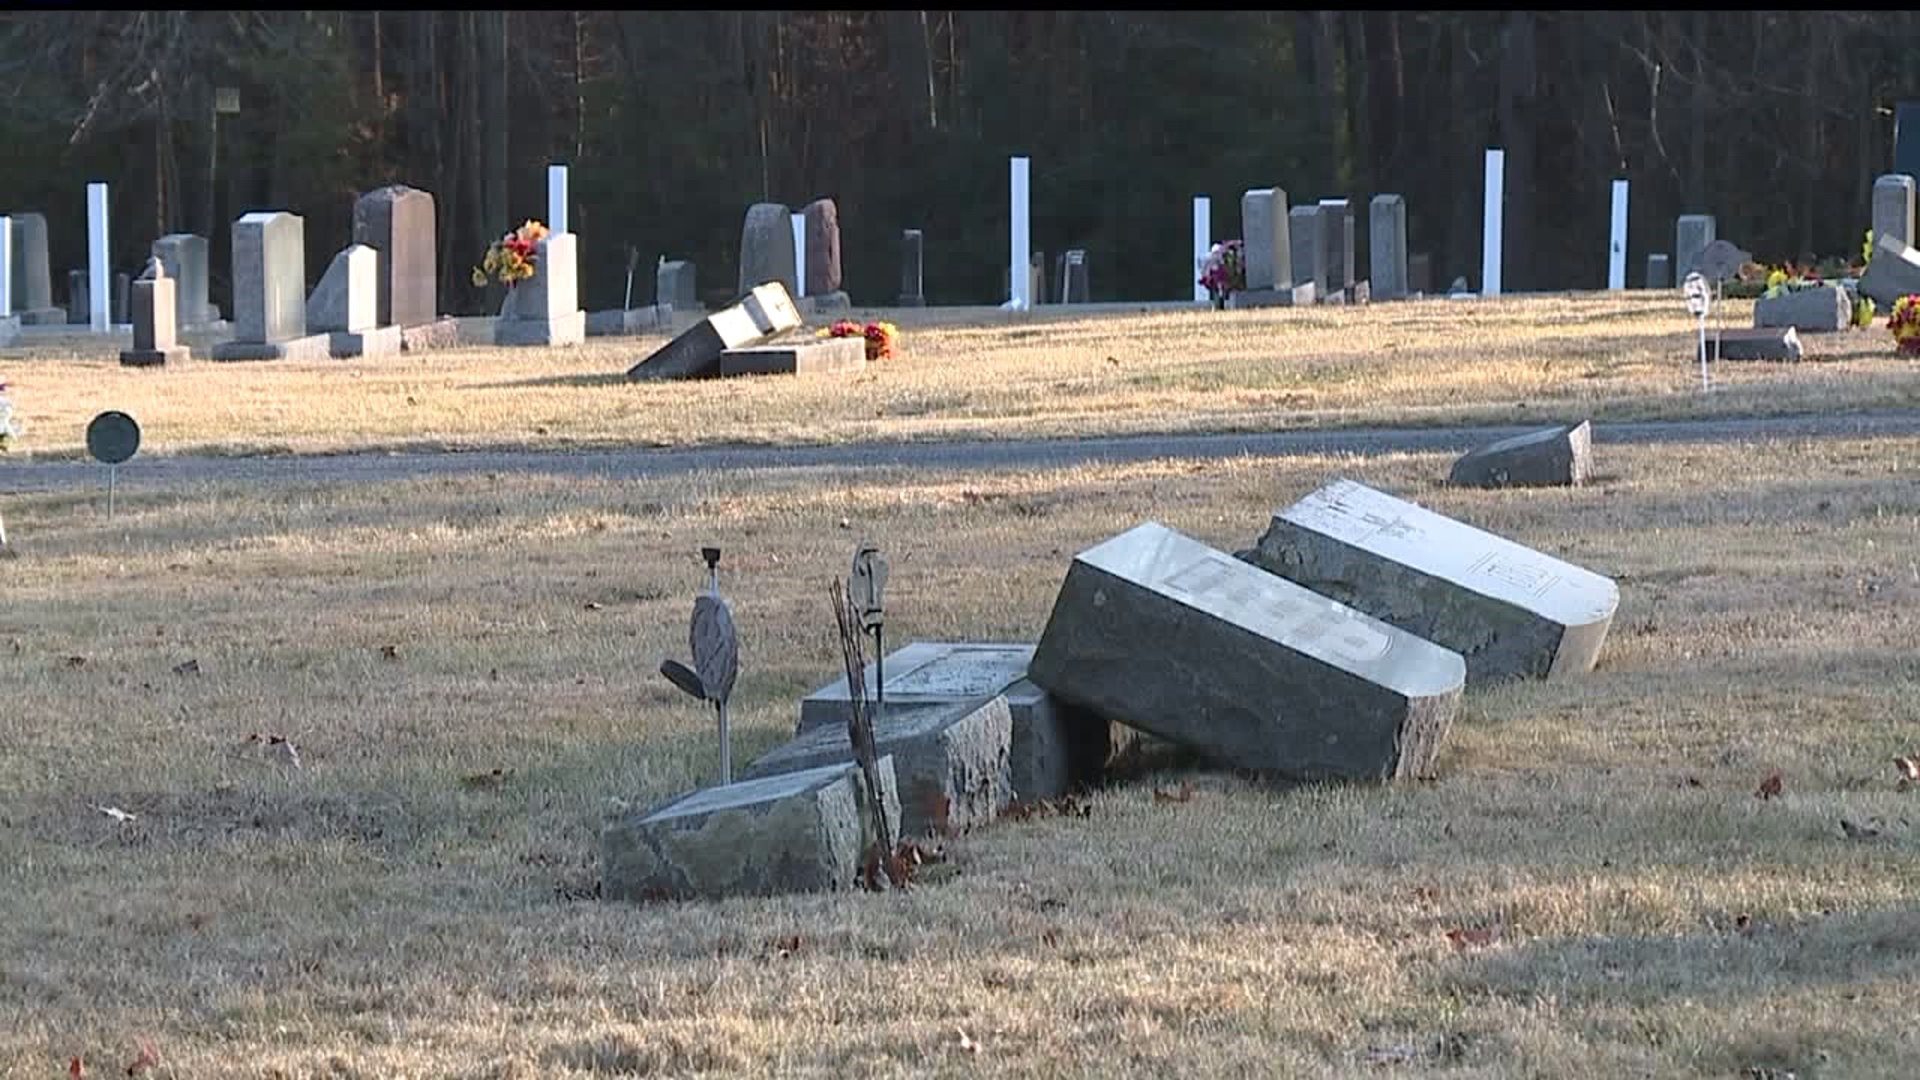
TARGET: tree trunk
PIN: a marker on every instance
(1697, 119)
(1358, 111)
(1518, 86)
(497, 119)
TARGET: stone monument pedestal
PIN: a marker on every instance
(545, 309)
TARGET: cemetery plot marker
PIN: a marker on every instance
(112, 438)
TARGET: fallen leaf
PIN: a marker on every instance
(1909, 767)
(490, 779)
(1769, 787)
(1184, 793)
(147, 1059)
(1477, 938)
(593, 605)
(967, 1045)
(1858, 832)
(76, 1068)
(117, 814)
(191, 667)
(390, 652)
(76, 662)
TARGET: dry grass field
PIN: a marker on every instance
(1591, 887)
(969, 375)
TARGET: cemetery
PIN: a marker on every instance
(1362, 661)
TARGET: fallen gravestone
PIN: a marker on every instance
(951, 760)
(1554, 456)
(1163, 633)
(765, 312)
(1509, 610)
(808, 356)
(155, 340)
(1055, 746)
(1826, 309)
(796, 832)
(1893, 273)
(1766, 343)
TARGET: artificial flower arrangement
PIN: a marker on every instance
(883, 338)
(511, 258)
(10, 428)
(1904, 323)
(1224, 271)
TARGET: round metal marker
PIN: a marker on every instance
(112, 438)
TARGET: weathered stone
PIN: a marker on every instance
(766, 248)
(1055, 746)
(270, 292)
(673, 285)
(1767, 343)
(1266, 246)
(1308, 252)
(425, 337)
(1893, 273)
(823, 247)
(1822, 310)
(1419, 273)
(1336, 244)
(78, 301)
(1460, 287)
(1301, 295)
(1361, 293)
(347, 298)
(1165, 634)
(373, 341)
(1659, 272)
(951, 760)
(398, 222)
(797, 832)
(185, 257)
(1555, 456)
(309, 347)
(1387, 247)
(31, 276)
(1691, 235)
(1893, 207)
(1721, 261)
(912, 269)
(153, 310)
(1070, 272)
(122, 298)
(545, 308)
(1509, 610)
(617, 323)
(766, 311)
(803, 357)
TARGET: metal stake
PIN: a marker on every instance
(111, 470)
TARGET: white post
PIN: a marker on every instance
(799, 255)
(557, 198)
(99, 283)
(1202, 242)
(1490, 244)
(6, 266)
(1617, 249)
(1020, 279)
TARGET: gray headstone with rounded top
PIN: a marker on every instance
(766, 248)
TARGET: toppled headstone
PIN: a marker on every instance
(270, 291)
(1893, 198)
(31, 277)
(1163, 633)
(1764, 343)
(1267, 247)
(797, 832)
(806, 356)
(155, 341)
(1554, 456)
(1825, 309)
(1387, 246)
(1509, 610)
(766, 311)
(951, 760)
(1893, 273)
(766, 248)
(545, 308)
(1055, 745)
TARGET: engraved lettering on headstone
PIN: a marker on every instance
(1531, 577)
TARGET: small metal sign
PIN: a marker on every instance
(866, 588)
(112, 437)
(1699, 299)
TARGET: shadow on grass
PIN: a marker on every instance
(605, 378)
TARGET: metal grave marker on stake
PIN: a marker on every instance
(112, 438)
(1698, 301)
(866, 585)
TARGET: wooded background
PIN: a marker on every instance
(674, 122)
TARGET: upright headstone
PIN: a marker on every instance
(1165, 634)
(822, 220)
(1691, 235)
(1309, 254)
(912, 269)
(1387, 247)
(1893, 207)
(1617, 241)
(557, 217)
(346, 305)
(79, 300)
(799, 224)
(1906, 138)
(270, 291)
(673, 285)
(1073, 277)
(545, 308)
(122, 296)
(32, 279)
(1267, 249)
(184, 256)
(1491, 218)
(1202, 243)
(1509, 610)
(153, 308)
(1659, 272)
(1419, 272)
(766, 248)
(398, 222)
(1019, 237)
(99, 270)
(1336, 244)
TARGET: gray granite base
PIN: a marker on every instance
(425, 337)
(833, 303)
(383, 341)
(1299, 296)
(9, 329)
(803, 357)
(155, 357)
(52, 316)
(617, 323)
(311, 347)
(1767, 343)
(556, 332)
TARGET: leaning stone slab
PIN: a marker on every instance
(796, 358)
(1163, 633)
(1055, 745)
(951, 760)
(1893, 273)
(1508, 609)
(766, 311)
(1555, 456)
(1824, 310)
(1767, 343)
(796, 832)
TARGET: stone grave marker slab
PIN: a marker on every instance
(1161, 632)
(1055, 745)
(795, 832)
(270, 291)
(545, 308)
(1691, 235)
(1893, 199)
(765, 312)
(617, 323)
(1266, 245)
(1509, 610)
(1659, 272)
(1387, 246)
(1765, 343)
(951, 760)
(912, 268)
(31, 275)
(800, 357)
(155, 339)
(1308, 253)
(1893, 273)
(1823, 310)
(1552, 456)
(1336, 243)
(766, 248)
(185, 257)
(398, 222)
(673, 285)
